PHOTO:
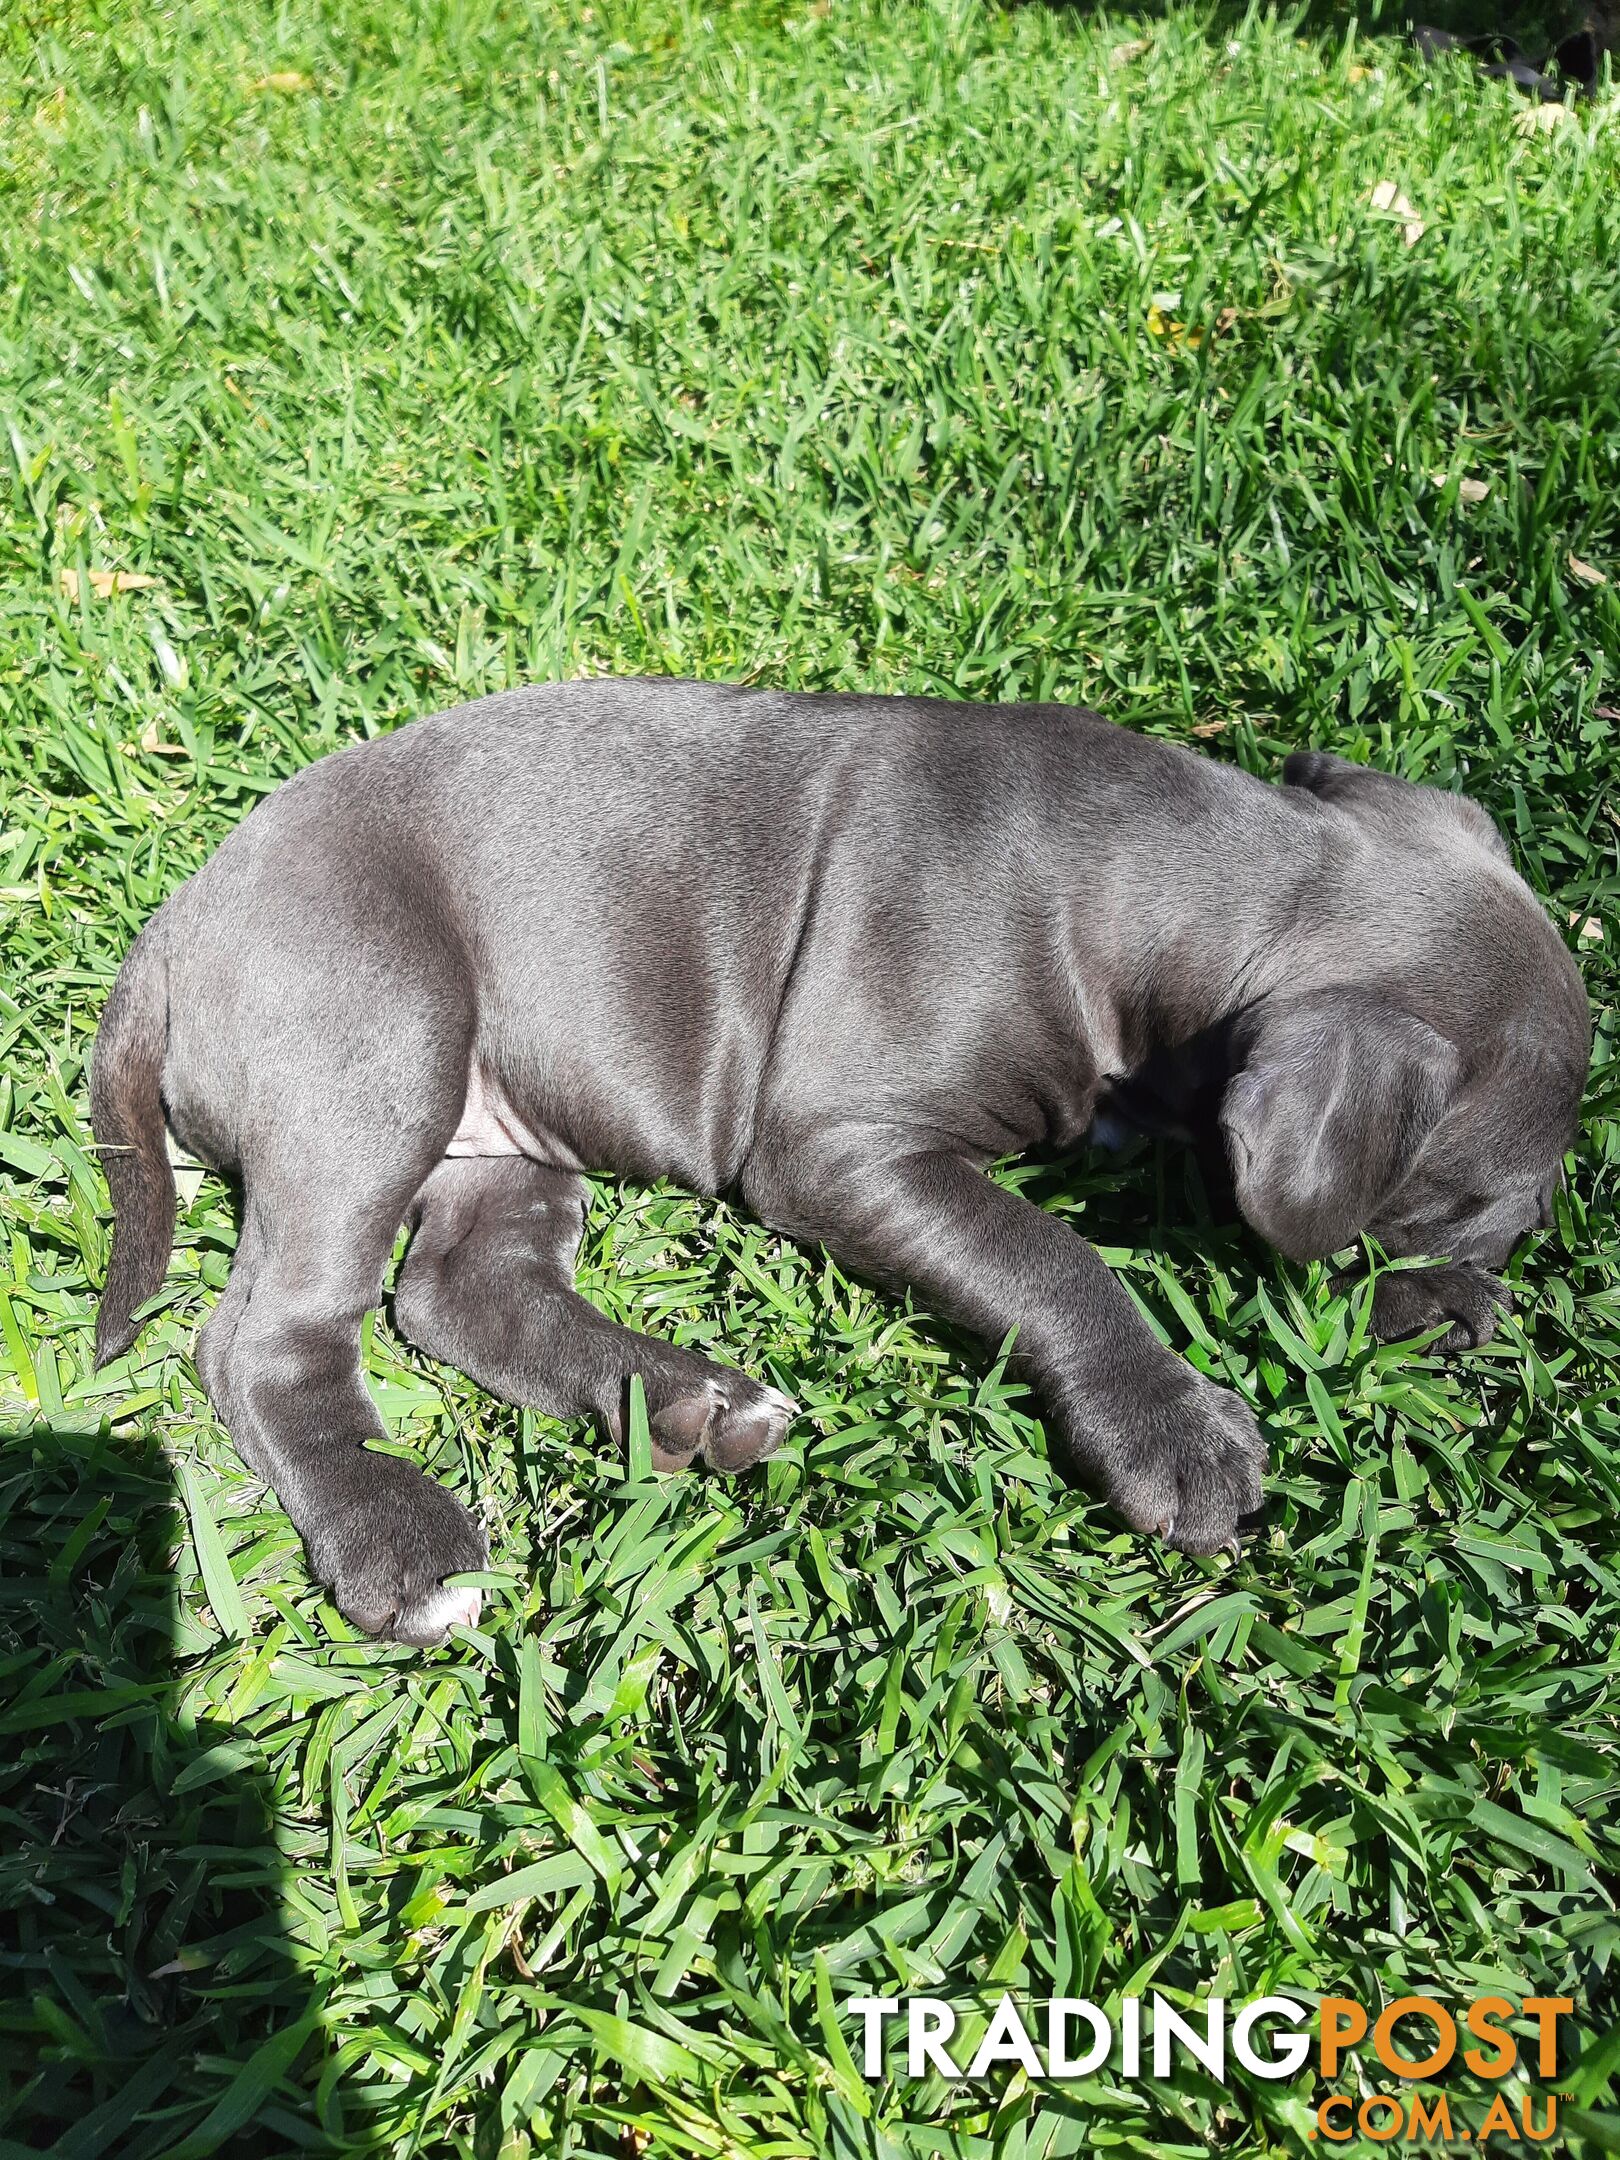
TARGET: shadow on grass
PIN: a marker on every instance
(1536, 29)
(153, 2005)
(150, 2002)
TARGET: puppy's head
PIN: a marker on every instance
(1426, 1096)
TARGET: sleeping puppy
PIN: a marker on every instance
(832, 955)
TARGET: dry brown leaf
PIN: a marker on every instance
(104, 583)
(1133, 50)
(1387, 198)
(286, 82)
(1607, 712)
(1591, 930)
(1542, 119)
(1585, 574)
(154, 746)
(188, 1171)
(1211, 727)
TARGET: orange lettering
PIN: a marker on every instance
(1343, 2023)
(1397, 2118)
(1527, 2108)
(1421, 2122)
(1481, 2022)
(1547, 2010)
(1334, 2100)
(1498, 2122)
(1415, 2006)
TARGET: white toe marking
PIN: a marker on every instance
(448, 1608)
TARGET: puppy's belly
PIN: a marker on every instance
(490, 1126)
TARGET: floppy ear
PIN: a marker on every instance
(1337, 1093)
(1363, 789)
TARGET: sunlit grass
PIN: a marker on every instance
(381, 356)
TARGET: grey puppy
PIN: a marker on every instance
(834, 955)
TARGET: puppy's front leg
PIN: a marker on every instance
(1174, 1453)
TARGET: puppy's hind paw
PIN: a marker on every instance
(384, 1541)
(731, 1421)
(750, 1430)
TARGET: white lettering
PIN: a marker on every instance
(1208, 2047)
(1005, 2040)
(1288, 2052)
(1130, 2036)
(1059, 2062)
(929, 2024)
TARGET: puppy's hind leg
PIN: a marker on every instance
(339, 1130)
(488, 1286)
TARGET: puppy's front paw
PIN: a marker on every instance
(1184, 1461)
(383, 1542)
(1465, 1301)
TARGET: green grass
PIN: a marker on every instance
(404, 352)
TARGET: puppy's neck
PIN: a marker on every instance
(1168, 944)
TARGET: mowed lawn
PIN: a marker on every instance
(359, 359)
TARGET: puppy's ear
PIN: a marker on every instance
(1337, 1093)
(1364, 791)
(1337, 779)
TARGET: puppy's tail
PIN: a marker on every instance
(126, 1114)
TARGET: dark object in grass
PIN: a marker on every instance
(834, 954)
(1575, 62)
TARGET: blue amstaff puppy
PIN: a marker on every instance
(832, 955)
